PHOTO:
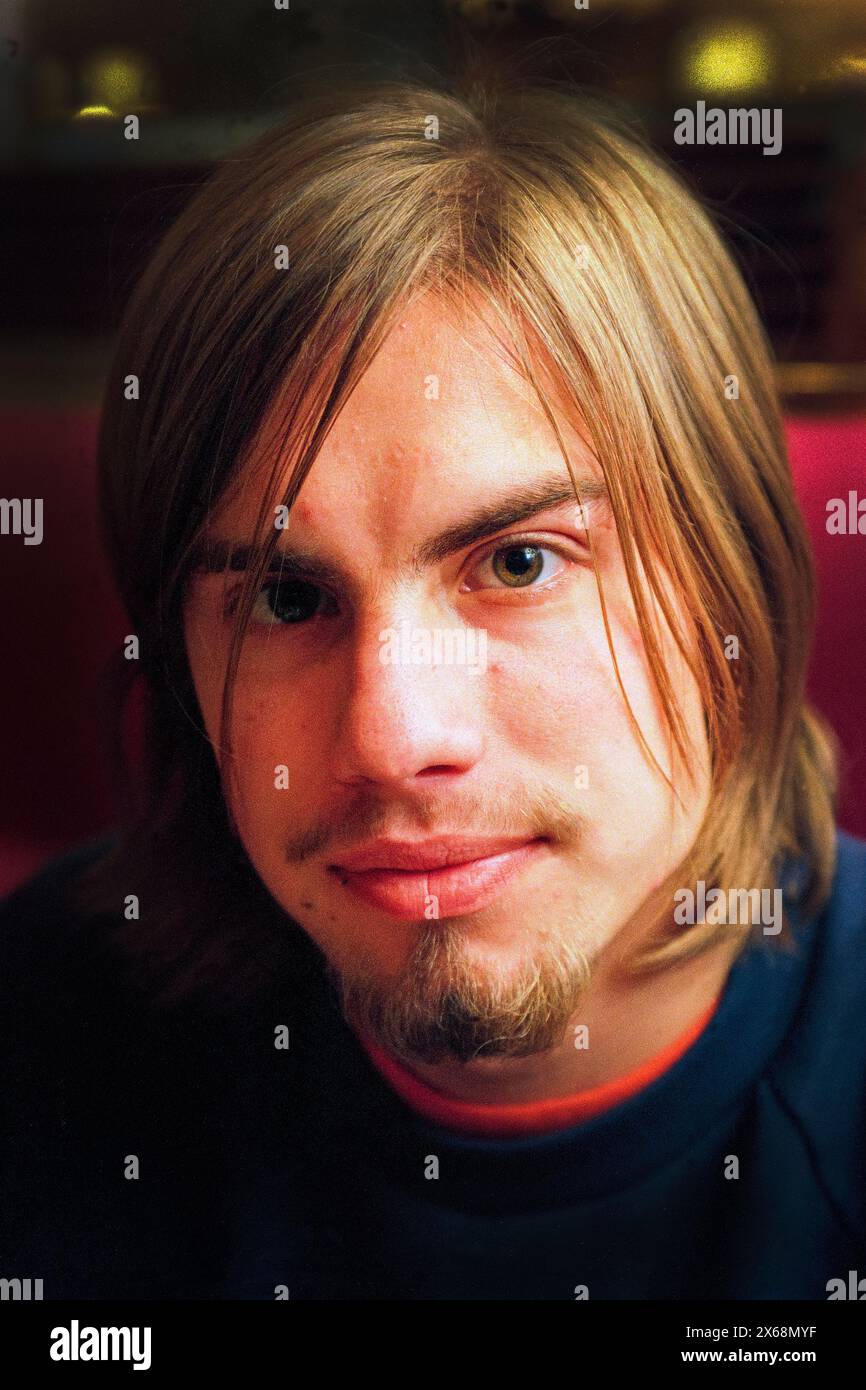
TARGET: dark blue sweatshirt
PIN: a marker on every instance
(180, 1154)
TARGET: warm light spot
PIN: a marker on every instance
(93, 111)
(849, 65)
(727, 57)
(114, 78)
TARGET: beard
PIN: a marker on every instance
(444, 1004)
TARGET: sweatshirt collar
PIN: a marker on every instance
(622, 1145)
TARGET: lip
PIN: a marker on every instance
(461, 874)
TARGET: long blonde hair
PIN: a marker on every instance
(607, 273)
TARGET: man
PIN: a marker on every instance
(483, 931)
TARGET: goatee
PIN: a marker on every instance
(444, 1004)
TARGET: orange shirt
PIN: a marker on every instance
(531, 1117)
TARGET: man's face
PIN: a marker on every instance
(467, 817)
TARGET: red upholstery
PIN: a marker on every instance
(60, 618)
(828, 458)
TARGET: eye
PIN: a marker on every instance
(285, 602)
(518, 565)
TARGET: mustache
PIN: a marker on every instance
(517, 811)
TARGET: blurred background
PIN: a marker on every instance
(82, 208)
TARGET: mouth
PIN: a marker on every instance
(434, 878)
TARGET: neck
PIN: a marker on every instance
(627, 1021)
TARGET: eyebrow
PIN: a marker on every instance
(213, 554)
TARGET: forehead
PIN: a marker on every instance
(440, 417)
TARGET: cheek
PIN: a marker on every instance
(561, 709)
(271, 747)
(560, 701)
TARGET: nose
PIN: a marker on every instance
(414, 702)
